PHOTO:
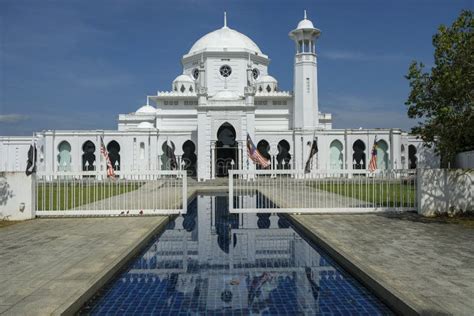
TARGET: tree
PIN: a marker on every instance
(443, 100)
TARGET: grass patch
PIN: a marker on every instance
(384, 194)
(70, 195)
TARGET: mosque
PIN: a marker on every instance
(225, 92)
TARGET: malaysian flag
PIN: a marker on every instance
(105, 153)
(313, 151)
(373, 157)
(254, 155)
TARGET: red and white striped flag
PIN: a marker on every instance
(255, 155)
(105, 153)
(373, 157)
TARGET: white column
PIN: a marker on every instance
(213, 160)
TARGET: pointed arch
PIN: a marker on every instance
(64, 156)
(113, 148)
(358, 156)
(336, 157)
(382, 155)
(88, 156)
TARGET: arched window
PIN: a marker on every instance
(335, 155)
(227, 156)
(284, 156)
(64, 156)
(88, 156)
(382, 155)
(168, 159)
(142, 150)
(268, 88)
(114, 154)
(263, 148)
(191, 89)
(358, 156)
(182, 88)
(189, 157)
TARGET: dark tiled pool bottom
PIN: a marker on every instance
(215, 263)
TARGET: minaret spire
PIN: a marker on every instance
(225, 19)
(305, 15)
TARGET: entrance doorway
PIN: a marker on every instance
(227, 150)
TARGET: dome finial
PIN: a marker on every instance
(305, 15)
(225, 19)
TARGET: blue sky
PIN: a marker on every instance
(78, 64)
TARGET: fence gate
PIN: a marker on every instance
(322, 191)
(91, 193)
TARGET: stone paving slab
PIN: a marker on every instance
(48, 265)
(428, 265)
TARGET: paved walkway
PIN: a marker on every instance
(46, 265)
(427, 264)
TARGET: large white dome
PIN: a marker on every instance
(225, 38)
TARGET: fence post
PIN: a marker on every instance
(185, 191)
(231, 191)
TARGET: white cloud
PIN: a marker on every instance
(12, 118)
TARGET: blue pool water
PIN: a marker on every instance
(212, 262)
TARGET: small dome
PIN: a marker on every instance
(145, 125)
(226, 95)
(184, 78)
(224, 38)
(146, 109)
(305, 24)
(267, 79)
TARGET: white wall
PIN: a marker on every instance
(16, 196)
(441, 191)
(465, 160)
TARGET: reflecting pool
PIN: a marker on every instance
(212, 262)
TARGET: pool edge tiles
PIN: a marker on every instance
(380, 289)
(105, 276)
(221, 285)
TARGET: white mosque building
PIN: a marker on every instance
(224, 92)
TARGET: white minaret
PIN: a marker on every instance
(305, 83)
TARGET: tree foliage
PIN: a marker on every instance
(443, 99)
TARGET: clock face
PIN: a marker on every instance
(255, 73)
(195, 73)
(225, 71)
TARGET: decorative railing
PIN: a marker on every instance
(323, 191)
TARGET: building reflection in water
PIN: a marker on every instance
(212, 261)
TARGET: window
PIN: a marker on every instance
(195, 73)
(268, 88)
(261, 102)
(142, 150)
(182, 88)
(255, 73)
(191, 89)
(279, 102)
(225, 71)
(190, 102)
(307, 86)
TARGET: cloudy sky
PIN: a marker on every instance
(78, 64)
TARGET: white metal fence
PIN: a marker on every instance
(322, 191)
(91, 193)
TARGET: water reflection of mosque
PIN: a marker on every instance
(214, 260)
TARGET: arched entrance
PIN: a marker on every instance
(263, 148)
(64, 156)
(113, 148)
(335, 155)
(284, 156)
(88, 156)
(382, 155)
(227, 150)
(189, 157)
(359, 155)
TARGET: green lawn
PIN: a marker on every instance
(69, 195)
(383, 194)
